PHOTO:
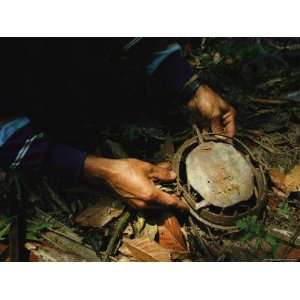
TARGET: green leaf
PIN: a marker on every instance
(5, 223)
(241, 224)
(32, 237)
(258, 243)
(284, 210)
(4, 232)
(36, 227)
(270, 240)
(248, 236)
(4, 220)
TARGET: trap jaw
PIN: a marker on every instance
(220, 218)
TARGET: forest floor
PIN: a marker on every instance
(261, 78)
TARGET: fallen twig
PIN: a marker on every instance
(258, 143)
(262, 112)
(200, 240)
(119, 228)
(57, 226)
(70, 246)
(17, 251)
(45, 253)
(286, 47)
(268, 101)
(292, 239)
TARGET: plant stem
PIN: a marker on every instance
(119, 228)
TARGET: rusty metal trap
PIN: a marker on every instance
(220, 180)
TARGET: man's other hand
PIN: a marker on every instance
(210, 107)
(134, 179)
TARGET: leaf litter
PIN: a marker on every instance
(259, 83)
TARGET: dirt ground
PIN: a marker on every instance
(260, 77)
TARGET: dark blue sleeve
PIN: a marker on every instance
(23, 149)
(169, 72)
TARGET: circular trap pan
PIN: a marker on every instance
(214, 216)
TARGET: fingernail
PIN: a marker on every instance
(173, 174)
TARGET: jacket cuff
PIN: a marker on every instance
(66, 162)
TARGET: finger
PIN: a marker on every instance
(228, 114)
(205, 129)
(228, 120)
(165, 165)
(162, 174)
(216, 125)
(168, 200)
(230, 126)
(230, 129)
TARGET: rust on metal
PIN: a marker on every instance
(223, 218)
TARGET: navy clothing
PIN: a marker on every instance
(49, 86)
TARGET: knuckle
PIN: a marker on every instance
(151, 168)
(216, 115)
(148, 195)
(233, 111)
(164, 173)
(141, 205)
(169, 201)
(164, 164)
(136, 204)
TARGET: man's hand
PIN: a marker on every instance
(133, 179)
(210, 107)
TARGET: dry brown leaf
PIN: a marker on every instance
(45, 253)
(279, 194)
(292, 179)
(287, 252)
(3, 247)
(170, 234)
(102, 213)
(123, 258)
(139, 223)
(146, 227)
(278, 179)
(67, 245)
(274, 199)
(285, 184)
(229, 61)
(217, 58)
(294, 253)
(125, 254)
(128, 231)
(124, 250)
(150, 231)
(146, 250)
